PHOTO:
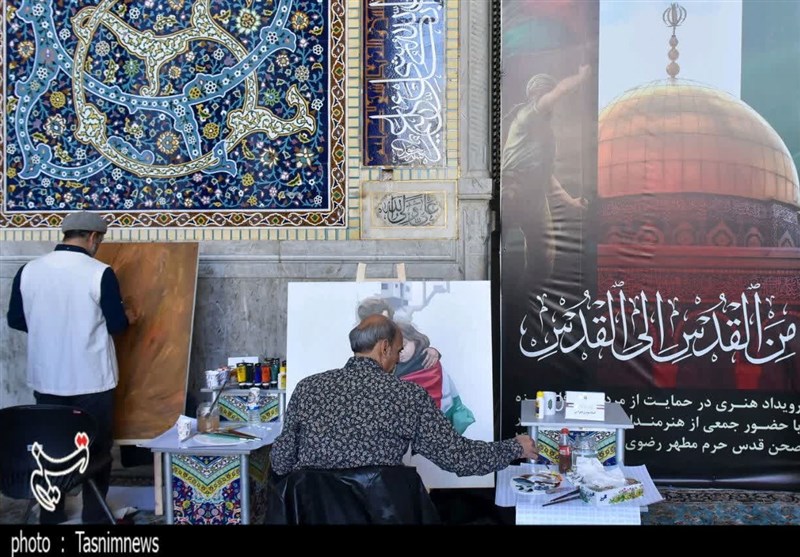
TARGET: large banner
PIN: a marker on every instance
(650, 245)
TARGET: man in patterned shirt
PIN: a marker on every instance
(362, 415)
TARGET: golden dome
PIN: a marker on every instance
(680, 136)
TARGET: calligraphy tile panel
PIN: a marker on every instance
(411, 210)
(174, 113)
(404, 51)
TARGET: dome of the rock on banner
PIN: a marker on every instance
(677, 136)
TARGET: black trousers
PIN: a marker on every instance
(101, 407)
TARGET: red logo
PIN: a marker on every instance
(81, 440)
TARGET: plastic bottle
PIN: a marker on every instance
(253, 407)
(564, 451)
(540, 404)
(282, 376)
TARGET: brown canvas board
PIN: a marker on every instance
(160, 281)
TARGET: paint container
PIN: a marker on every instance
(207, 417)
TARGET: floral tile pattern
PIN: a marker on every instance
(181, 113)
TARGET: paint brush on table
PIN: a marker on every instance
(225, 433)
(219, 392)
(569, 496)
(235, 433)
(231, 435)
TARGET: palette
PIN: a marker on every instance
(536, 483)
(211, 439)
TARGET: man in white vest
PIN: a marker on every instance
(70, 305)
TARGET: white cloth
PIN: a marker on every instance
(69, 349)
(592, 472)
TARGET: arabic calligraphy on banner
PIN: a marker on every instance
(751, 327)
(404, 83)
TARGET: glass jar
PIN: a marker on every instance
(207, 417)
(585, 448)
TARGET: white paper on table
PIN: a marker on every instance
(506, 497)
(577, 512)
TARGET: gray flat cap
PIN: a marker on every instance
(84, 220)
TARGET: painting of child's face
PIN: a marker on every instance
(409, 347)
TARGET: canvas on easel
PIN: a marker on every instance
(160, 281)
(452, 318)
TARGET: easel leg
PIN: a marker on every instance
(158, 484)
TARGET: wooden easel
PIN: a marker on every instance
(361, 274)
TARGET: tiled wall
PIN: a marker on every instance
(356, 174)
(241, 301)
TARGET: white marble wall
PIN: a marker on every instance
(242, 286)
(242, 290)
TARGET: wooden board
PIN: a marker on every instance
(160, 280)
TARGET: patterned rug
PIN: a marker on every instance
(724, 507)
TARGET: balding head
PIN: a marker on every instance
(377, 337)
(370, 331)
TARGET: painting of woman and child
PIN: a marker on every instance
(447, 348)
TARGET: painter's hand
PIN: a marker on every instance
(584, 71)
(529, 449)
(431, 357)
